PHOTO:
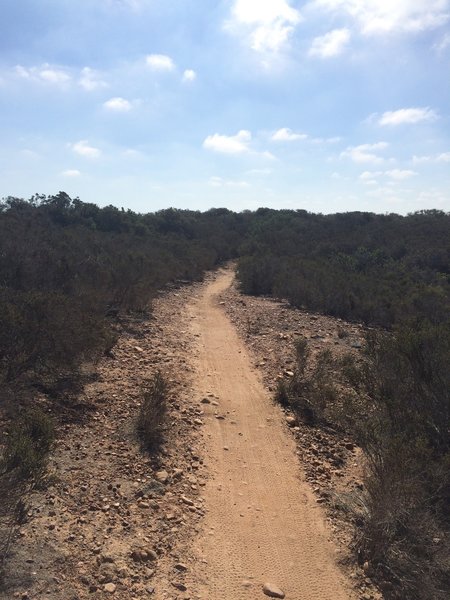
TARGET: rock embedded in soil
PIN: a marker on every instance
(273, 591)
(110, 588)
(162, 476)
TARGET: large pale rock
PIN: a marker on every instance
(273, 591)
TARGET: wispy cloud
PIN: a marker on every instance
(331, 44)
(230, 183)
(442, 45)
(370, 177)
(118, 105)
(189, 76)
(400, 174)
(388, 16)
(266, 25)
(84, 149)
(229, 144)
(90, 80)
(443, 157)
(71, 173)
(160, 62)
(44, 74)
(411, 116)
(365, 153)
(287, 135)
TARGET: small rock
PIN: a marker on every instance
(273, 591)
(291, 421)
(179, 586)
(107, 558)
(110, 588)
(205, 401)
(138, 349)
(162, 476)
(289, 373)
(181, 567)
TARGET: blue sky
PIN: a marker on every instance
(326, 105)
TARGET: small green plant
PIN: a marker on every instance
(153, 411)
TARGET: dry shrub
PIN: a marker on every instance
(153, 412)
(399, 413)
(22, 466)
(311, 392)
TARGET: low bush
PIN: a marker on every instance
(153, 411)
(311, 392)
(400, 416)
(28, 443)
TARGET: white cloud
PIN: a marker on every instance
(370, 176)
(399, 174)
(287, 135)
(118, 105)
(90, 80)
(259, 172)
(219, 182)
(233, 144)
(437, 158)
(44, 74)
(160, 62)
(71, 173)
(331, 44)
(365, 153)
(443, 44)
(265, 24)
(390, 16)
(83, 149)
(189, 75)
(408, 116)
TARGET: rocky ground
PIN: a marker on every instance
(114, 518)
(116, 521)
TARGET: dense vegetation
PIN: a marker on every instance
(70, 271)
(378, 269)
(392, 272)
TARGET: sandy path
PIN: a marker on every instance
(262, 522)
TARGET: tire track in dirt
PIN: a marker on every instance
(262, 522)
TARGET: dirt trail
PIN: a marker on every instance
(262, 523)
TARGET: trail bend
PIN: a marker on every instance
(262, 522)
